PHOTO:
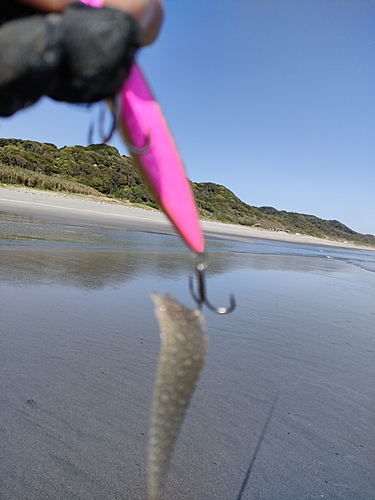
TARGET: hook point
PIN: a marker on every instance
(201, 298)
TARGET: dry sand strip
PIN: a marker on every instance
(81, 210)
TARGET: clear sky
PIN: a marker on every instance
(274, 99)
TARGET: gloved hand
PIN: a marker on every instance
(81, 55)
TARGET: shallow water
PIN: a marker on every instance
(285, 406)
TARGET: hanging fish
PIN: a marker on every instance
(182, 356)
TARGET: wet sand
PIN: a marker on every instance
(285, 407)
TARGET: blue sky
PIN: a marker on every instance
(274, 99)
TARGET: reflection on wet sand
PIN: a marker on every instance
(92, 256)
(95, 269)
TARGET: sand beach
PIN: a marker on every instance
(76, 209)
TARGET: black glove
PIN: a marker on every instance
(82, 55)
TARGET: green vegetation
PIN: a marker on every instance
(97, 166)
(99, 169)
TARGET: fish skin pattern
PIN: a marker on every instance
(183, 350)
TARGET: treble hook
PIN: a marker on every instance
(201, 298)
(115, 108)
(115, 113)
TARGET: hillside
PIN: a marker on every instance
(100, 169)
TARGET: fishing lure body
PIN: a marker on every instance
(143, 125)
(182, 355)
(144, 128)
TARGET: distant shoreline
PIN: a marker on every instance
(99, 209)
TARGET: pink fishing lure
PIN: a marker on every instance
(143, 124)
